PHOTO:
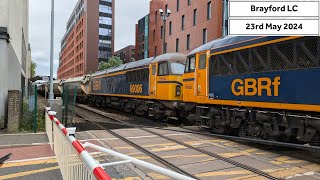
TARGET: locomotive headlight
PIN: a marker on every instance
(178, 90)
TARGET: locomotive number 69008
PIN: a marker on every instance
(136, 88)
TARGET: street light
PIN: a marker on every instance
(51, 95)
(164, 16)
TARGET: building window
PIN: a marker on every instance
(161, 32)
(165, 47)
(204, 36)
(155, 51)
(188, 42)
(209, 10)
(189, 2)
(156, 17)
(170, 27)
(154, 35)
(194, 17)
(182, 23)
(177, 45)
(166, 8)
(178, 5)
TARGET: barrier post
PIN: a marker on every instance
(35, 111)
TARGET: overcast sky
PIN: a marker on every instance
(128, 12)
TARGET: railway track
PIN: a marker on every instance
(158, 158)
(138, 147)
(140, 122)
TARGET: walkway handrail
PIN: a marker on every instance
(85, 161)
(128, 159)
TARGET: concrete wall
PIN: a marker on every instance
(14, 52)
(10, 73)
(4, 75)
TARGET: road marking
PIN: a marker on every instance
(26, 163)
(33, 159)
(26, 173)
(129, 178)
(23, 134)
(289, 172)
(286, 160)
(224, 173)
(154, 175)
(168, 148)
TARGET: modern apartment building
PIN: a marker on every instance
(191, 24)
(15, 52)
(89, 38)
(127, 54)
(142, 38)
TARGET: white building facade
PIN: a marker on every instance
(15, 52)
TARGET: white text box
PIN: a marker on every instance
(273, 9)
(273, 27)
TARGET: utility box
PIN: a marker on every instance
(14, 110)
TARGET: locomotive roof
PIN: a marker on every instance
(130, 65)
(170, 57)
(230, 42)
(75, 79)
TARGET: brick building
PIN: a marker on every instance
(142, 38)
(88, 39)
(126, 53)
(191, 24)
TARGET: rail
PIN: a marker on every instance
(76, 163)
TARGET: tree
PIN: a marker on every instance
(33, 69)
(112, 62)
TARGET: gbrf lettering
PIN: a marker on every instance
(253, 87)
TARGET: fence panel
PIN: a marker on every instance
(49, 127)
(74, 161)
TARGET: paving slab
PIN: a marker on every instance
(22, 139)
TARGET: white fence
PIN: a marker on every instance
(49, 127)
(74, 161)
(77, 164)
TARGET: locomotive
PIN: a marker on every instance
(261, 87)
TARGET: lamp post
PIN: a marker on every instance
(164, 16)
(51, 95)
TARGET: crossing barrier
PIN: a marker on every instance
(77, 164)
(74, 161)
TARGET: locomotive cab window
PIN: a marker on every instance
(202, 61)
(177, 68)
(190, 66)
(163, 69)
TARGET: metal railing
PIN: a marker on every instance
(77, 164)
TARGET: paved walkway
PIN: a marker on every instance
(32, 157)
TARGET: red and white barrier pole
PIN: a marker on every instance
(88, 160)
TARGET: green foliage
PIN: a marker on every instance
(112, 62)
(33, 69)
(26, 123)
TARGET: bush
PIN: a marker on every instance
(26, 123)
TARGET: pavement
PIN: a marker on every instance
(32, 157)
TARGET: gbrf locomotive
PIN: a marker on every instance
(266, 87)
(151, 87)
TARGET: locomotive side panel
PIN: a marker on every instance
(283, 74)
(133, 83)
